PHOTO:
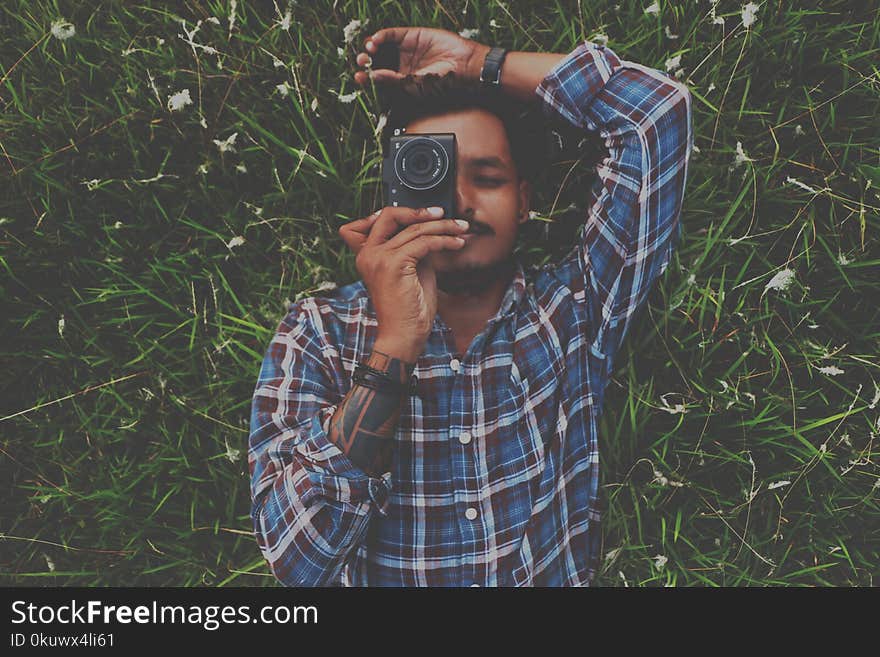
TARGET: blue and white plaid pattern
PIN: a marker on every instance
(495, 475)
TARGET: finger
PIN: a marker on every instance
(434, 227)
(363, 59)
(392, 219)
(384, 75)
(422, 246)
(385, 35)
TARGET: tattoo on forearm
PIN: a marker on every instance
(364, 425)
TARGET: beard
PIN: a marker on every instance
(474, 280)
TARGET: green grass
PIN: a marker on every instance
(124, 436)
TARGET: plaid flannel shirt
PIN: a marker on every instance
(495, 471)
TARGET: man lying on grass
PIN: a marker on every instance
(482, 469)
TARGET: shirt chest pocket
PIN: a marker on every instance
(528, 410)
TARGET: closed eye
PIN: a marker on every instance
(493, 182)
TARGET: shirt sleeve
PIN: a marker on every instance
(633, 208)
(311, 504)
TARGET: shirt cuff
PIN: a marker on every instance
(332, 473)
(570, 86)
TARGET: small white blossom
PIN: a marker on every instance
(469, 33)
(314, 105)
(49, 563)
(660, 561)
(231, 454)
(226, 144)
(61, 326)
(118, 225)
(798, 130)
(326, 285)
(350, 30)
(669, 34)
(778, 484)
(283, 88)
(347, 98)
(830, 370)
(673, 62)
(179, 100)
(842, 259)
(493, 23)
(780, 281)
(876, 396)
(600, 39)
(740, 157)
(383, 119)
(62, 30)
(678, 408)
(795, 181)
(748, 14)
(241, 168)
(238, 240)
(711, 87)
(284, 23)
(653, 9)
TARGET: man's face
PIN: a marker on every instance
(488, 191)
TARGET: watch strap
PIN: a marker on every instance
(490, 74)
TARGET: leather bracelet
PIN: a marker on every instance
(490, 73)
(379, 380)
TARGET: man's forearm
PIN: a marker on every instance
(366, 421)
(521, 71)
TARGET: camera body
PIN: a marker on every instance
(419, 171)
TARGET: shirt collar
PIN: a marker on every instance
(514, 295)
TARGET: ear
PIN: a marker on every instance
(525, 199)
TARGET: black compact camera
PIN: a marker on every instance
(419, 171)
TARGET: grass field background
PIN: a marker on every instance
(174, 174)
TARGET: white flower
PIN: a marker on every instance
(61, 326)
(241, 168)
(876, 396)
(778, 484)
(669, 34)
(49, 563)
(673, 63)
(284, 23)
(226, 144)
(798, 130)
(653, 9)
(711, 87)
(314, 105)
(842, 259)
(179, 100)
(740, 157)
(660, 561)
(62, 30)
(238, 240)
(347, 98)
(283, 88)
(231, 454)
(469, 33)
(678, 408)
(831, 370)
(383, 119)
(780, 281)
(349, 31)
(795, 181)
(118, 225)
(326, 285)
(493, 23)
(748, 14)
(600, 39)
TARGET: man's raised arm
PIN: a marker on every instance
(633, 209)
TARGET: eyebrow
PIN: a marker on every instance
(479, 162)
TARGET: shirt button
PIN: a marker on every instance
(464, 438)
(471, 513)
(455, 364)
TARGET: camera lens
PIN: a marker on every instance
(421, 163)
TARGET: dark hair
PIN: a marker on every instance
(432, 94)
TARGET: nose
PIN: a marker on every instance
(464, 206)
